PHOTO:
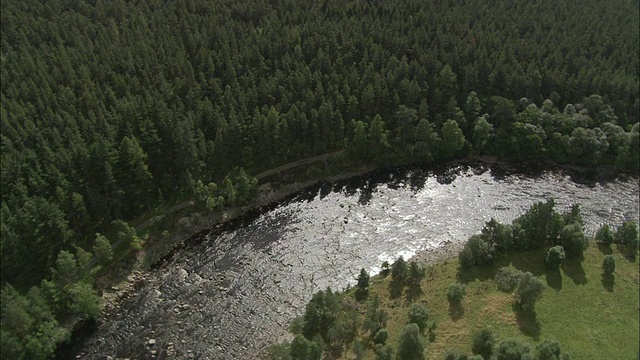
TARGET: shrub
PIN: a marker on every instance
(454, 355)
(411, 344)
(512, 349)
(609, 264)
(455, 293)
(483, 342)
(384, 352)
(549, 350)
(381, 337)
(499, 235)
(303, 349)
(604, 235)
(554, 258)
(419, 315)
(529, 290)
(507, 278)
(477, 251)
(573, 241)
(627, 235)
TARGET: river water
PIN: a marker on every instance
(229, 293)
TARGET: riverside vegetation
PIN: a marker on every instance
(114, 111)
(506, 297)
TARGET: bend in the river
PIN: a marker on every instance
(229, 294)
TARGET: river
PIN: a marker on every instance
(229, 293)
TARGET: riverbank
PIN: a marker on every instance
(253, 272)
(190, 223)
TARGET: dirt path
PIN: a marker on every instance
(262, 175)
(295, 164)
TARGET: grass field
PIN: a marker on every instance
(589, 319)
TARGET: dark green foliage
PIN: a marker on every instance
(279, 352)
(528, 291)
(66, 270)
(384, 352)
(84, 300)
(29, 328)
(539, 224)
(399, 272)
(419, 315)
(512, 349)
(454, 355)
(320, 313)
(477, 251)
(627, 235)
(411, 345)
(415, 275)
(385, 268)
(507, 278)
(500, 235)
(573, 216)
(455, 293)
(105, 117)
(358, 349)
(573, 241)
(303, 349)
(604, 235)
(609, 264)
(554, 258)
(345, 327)
(483, 343)
(375, 318)
(452, 139)
(381, 336)
(363, 285)
(102, 249)
(239, 187)
(549, 350)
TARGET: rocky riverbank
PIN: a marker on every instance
(230, 291)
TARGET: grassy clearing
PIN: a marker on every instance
(589, 320)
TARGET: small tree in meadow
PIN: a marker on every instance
(419, 315)
(529, 291)
(455, 293)
(411, 344)
(554, 258)
(609, 264)
(483, 342)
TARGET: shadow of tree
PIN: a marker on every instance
(554, 279)
(432, 336)
(527, 321)
(605, 249)
(395, 290)
(481, 273)
(532, 261)
(628, 253)
(456, 311)
(573, 269)
(412, 293)
(608, 280)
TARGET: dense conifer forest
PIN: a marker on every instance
(110, 108)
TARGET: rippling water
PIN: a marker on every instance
(230, 294)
